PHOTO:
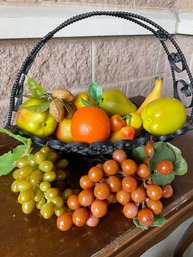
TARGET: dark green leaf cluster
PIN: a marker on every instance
(163, 151)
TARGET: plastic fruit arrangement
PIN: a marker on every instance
(101, 115)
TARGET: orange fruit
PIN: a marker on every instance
(90, 124)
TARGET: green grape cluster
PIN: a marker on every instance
(37, 179)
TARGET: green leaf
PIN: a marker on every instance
(86, 103)
(7, 160)
(17, 137)
(32, 97)
(95, 92)
(162, 152)
(38, 108)
(158, 221)
(180, 165)
(161, 179)
(138, 225)
(139, 154)
(35, 88)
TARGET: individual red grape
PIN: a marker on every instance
(95, 174)
(114, 183)
(167, 191)
(164, 167)
(64, 221)
(129, 184)
(102, 191)
(154, 192)
(123, 197)
(111, 167)
(143, 171)
(80, 216)
(99, 208)
(155, 206)
(85, 182)
(129, 167)
(130, 210)
(86, 197)
(73, 202)
(119, 155)
(92, 221)
(138, 195)
(145, 216)
(149, 149)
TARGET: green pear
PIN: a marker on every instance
(116, 102)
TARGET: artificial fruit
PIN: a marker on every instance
(163, 116)
(36, 123)
(153, 95)
(63, 131)
(116, 102)
(124, 133)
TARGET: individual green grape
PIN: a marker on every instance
(14, 186)
(26, 171)
(28, 207)
(66, 193)
(39, 157)
(47, 210)
(46, 150)
(26, 196)
(61, 175)
(40, 203)
(46, 166)
(51, 193)
(38, 194)
(21, 162)
(16, 174)
(23, 185)
(57, 201)
(31, 160)
(59, 211)
(49, 176)
(44, 186)
(52, 156)
(36, 177)
(61, 164)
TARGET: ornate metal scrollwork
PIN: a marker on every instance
(185, 89)
(175, 58)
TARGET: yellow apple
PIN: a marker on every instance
(63, 131)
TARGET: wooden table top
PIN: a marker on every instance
(30, 235)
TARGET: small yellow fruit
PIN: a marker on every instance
(77, 100)
(63, 131)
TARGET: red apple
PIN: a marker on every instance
(124, 133)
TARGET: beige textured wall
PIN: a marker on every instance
(163, 4)
(129, 63)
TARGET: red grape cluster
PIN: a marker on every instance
(121, 180)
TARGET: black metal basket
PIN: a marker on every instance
(99, 150)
